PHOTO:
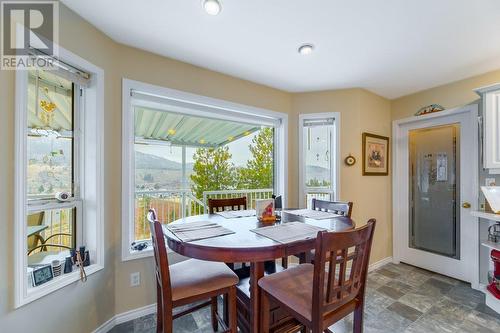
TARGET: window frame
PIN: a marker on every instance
(90, 168)
(76, 202)
(197, 105)
(335, 172)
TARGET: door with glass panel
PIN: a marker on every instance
(436, 166)
(317, 158)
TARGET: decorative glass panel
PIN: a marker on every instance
(434, 182)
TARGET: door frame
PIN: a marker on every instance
(400, 211)
(335, 172)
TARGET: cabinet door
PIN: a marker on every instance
(491, 105)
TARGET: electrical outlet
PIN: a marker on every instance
(135, 279)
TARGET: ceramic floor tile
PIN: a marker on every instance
(442, 286)
(388, 273)
(420, 301)
(464, 294)
(405, 311)
(385, 321)
(399, 298)
(391, 292)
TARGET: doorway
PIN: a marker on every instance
(435, 187)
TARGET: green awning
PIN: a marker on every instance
(180, 129)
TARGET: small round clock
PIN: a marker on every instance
(350, 160)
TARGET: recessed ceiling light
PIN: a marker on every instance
(306, 49)
(212, 7)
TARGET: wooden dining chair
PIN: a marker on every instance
(217, 205)
(318, 296)
(336, 207)
(188, 282)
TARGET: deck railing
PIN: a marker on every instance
(169, 206)
(251, 195)
(176, 204)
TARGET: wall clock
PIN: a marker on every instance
(350, 160)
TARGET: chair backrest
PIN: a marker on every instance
(162, 271)
(347, 254)
(217, 205)
(337, 207)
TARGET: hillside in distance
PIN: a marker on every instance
(153, 162)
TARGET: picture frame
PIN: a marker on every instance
(375, 155)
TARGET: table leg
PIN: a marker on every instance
(256, 272)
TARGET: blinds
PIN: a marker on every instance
(63, 69)
(318, 122)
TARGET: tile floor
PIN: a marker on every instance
(399, 298)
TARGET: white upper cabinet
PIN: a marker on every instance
(490, 100)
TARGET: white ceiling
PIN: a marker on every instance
(391, 47)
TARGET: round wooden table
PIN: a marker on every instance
(247, 246)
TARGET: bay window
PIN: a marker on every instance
(181, 149)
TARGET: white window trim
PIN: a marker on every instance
(335, 176)
(91, 191)
(206, 106)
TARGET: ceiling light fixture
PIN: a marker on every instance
(212, 7)
(306, 49)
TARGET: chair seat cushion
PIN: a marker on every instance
(293, 287)
(195, 277)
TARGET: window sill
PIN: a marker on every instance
(132, 255)
(57, 283)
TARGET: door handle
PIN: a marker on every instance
(466, 205)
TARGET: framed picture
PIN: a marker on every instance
(375, 155)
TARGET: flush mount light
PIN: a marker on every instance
(212, 7)
(306, 49)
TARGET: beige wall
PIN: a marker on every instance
(360, 111)
(448, 95)
(83, 307)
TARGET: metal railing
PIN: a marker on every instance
(251, 195)
(169, 206)
(175, 204)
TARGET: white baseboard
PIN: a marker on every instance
(380, 263)
(149, 309)
(126, 316)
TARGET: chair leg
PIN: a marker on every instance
(358, 319)
(264, 312)
(233, 314)
(213, 310)
(284, 262)
(159, 310)
(225, 308)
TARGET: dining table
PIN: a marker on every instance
(246, 246)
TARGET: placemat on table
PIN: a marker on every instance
(188, 232)
(312, 214)
(230, 214)
(289, 232)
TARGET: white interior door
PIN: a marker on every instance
(435, 188)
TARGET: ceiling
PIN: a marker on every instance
(390, 47)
